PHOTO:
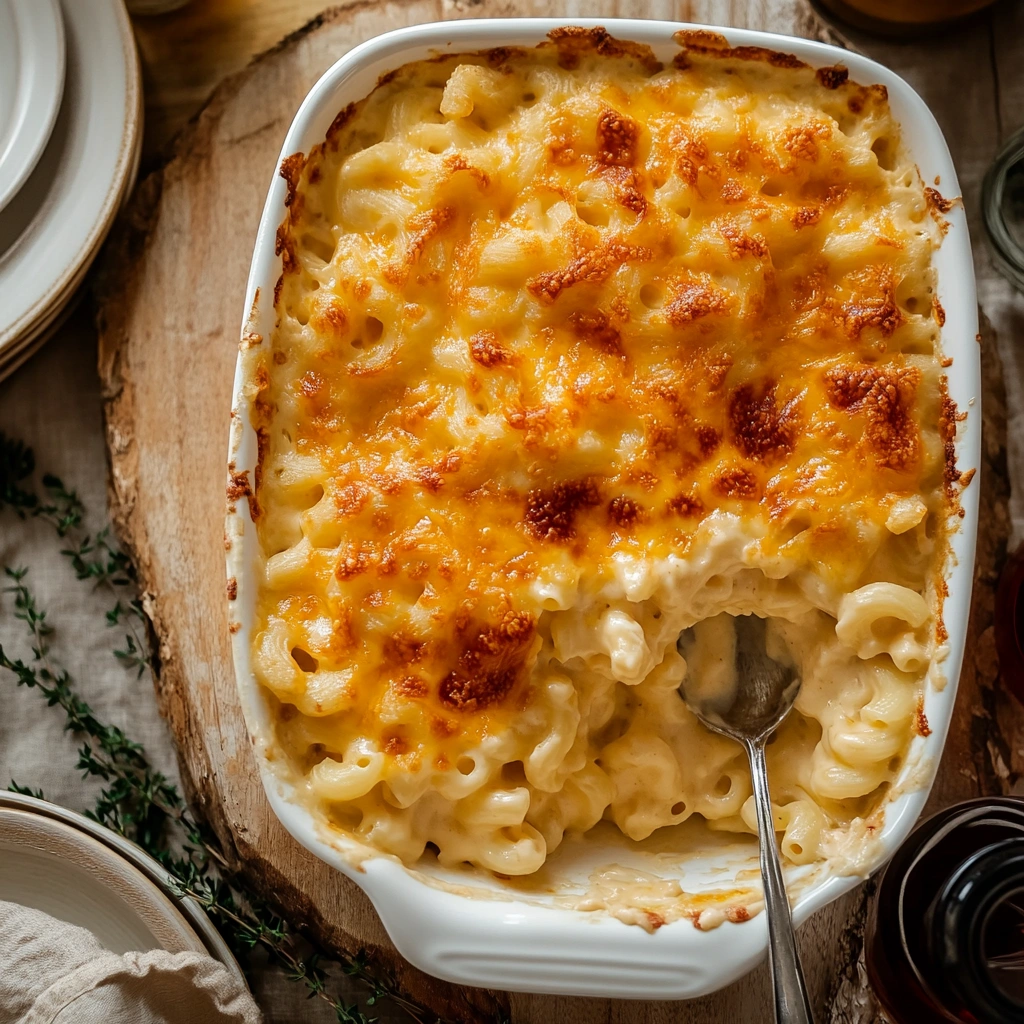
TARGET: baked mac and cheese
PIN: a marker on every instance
(576, 352)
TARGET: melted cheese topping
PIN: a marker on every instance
(574, 352)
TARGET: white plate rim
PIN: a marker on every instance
(125, 167)
(40, 26)
(22, 348)
(132, 891)
(198, 919)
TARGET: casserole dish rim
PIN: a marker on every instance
(513, 944)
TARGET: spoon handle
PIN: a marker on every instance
(791, 1005)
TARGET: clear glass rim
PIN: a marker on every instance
(1008, 252)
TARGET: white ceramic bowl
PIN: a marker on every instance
(499, 938)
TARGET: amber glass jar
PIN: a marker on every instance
(902, 17)
(945, 932)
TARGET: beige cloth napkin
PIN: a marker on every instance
(52, 972)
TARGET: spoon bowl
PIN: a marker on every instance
(764, 692)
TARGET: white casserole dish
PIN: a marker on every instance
(497, 937)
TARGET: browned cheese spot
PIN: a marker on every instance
(626, 185)
(575, 41)
(594, 327)
(714, 44)
(595, 265)
(502, 55)
(802, 140)
(238, 487)
(741, 244)
(486, 350)
(284, 246)
(356, 558)
(921, 726)
(948, 419)
(351, 498)
(625, 511)
(760, 429)
(343, 631)
(701, 38)
(617, 138)
(695, 299)
(737, 482)
(311, 384)
(875, 306)
(885, 396)
(805, 216)
(937, 201)
(232, 588)
(490, 665)
(443, 728)
(402, 648)
(395, 744)
(693, 157)
(430, 478)
(291, 171)
(661, 438)
(685, 505)
(424, 227)
(561, 142)
(708, 439)
(833, 77)
(342, 119)
(551, 514)
(411, 687)
(776, 58)
(733, 192)
(457, 162)
(329, 318)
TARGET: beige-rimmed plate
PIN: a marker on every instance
(53, 867)
(153, 871)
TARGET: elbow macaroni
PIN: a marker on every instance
(576, 352)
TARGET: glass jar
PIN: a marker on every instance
(902, 17)
(945, 932)
(1002, 201)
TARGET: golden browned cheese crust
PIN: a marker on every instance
(547, 313)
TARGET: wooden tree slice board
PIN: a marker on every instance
(170, 296)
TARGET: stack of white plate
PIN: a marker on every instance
(70, 136)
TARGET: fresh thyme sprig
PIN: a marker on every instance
(137, 801)
(93, 558)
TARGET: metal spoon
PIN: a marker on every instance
(763, 698)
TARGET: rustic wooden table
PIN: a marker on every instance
(971, 77)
